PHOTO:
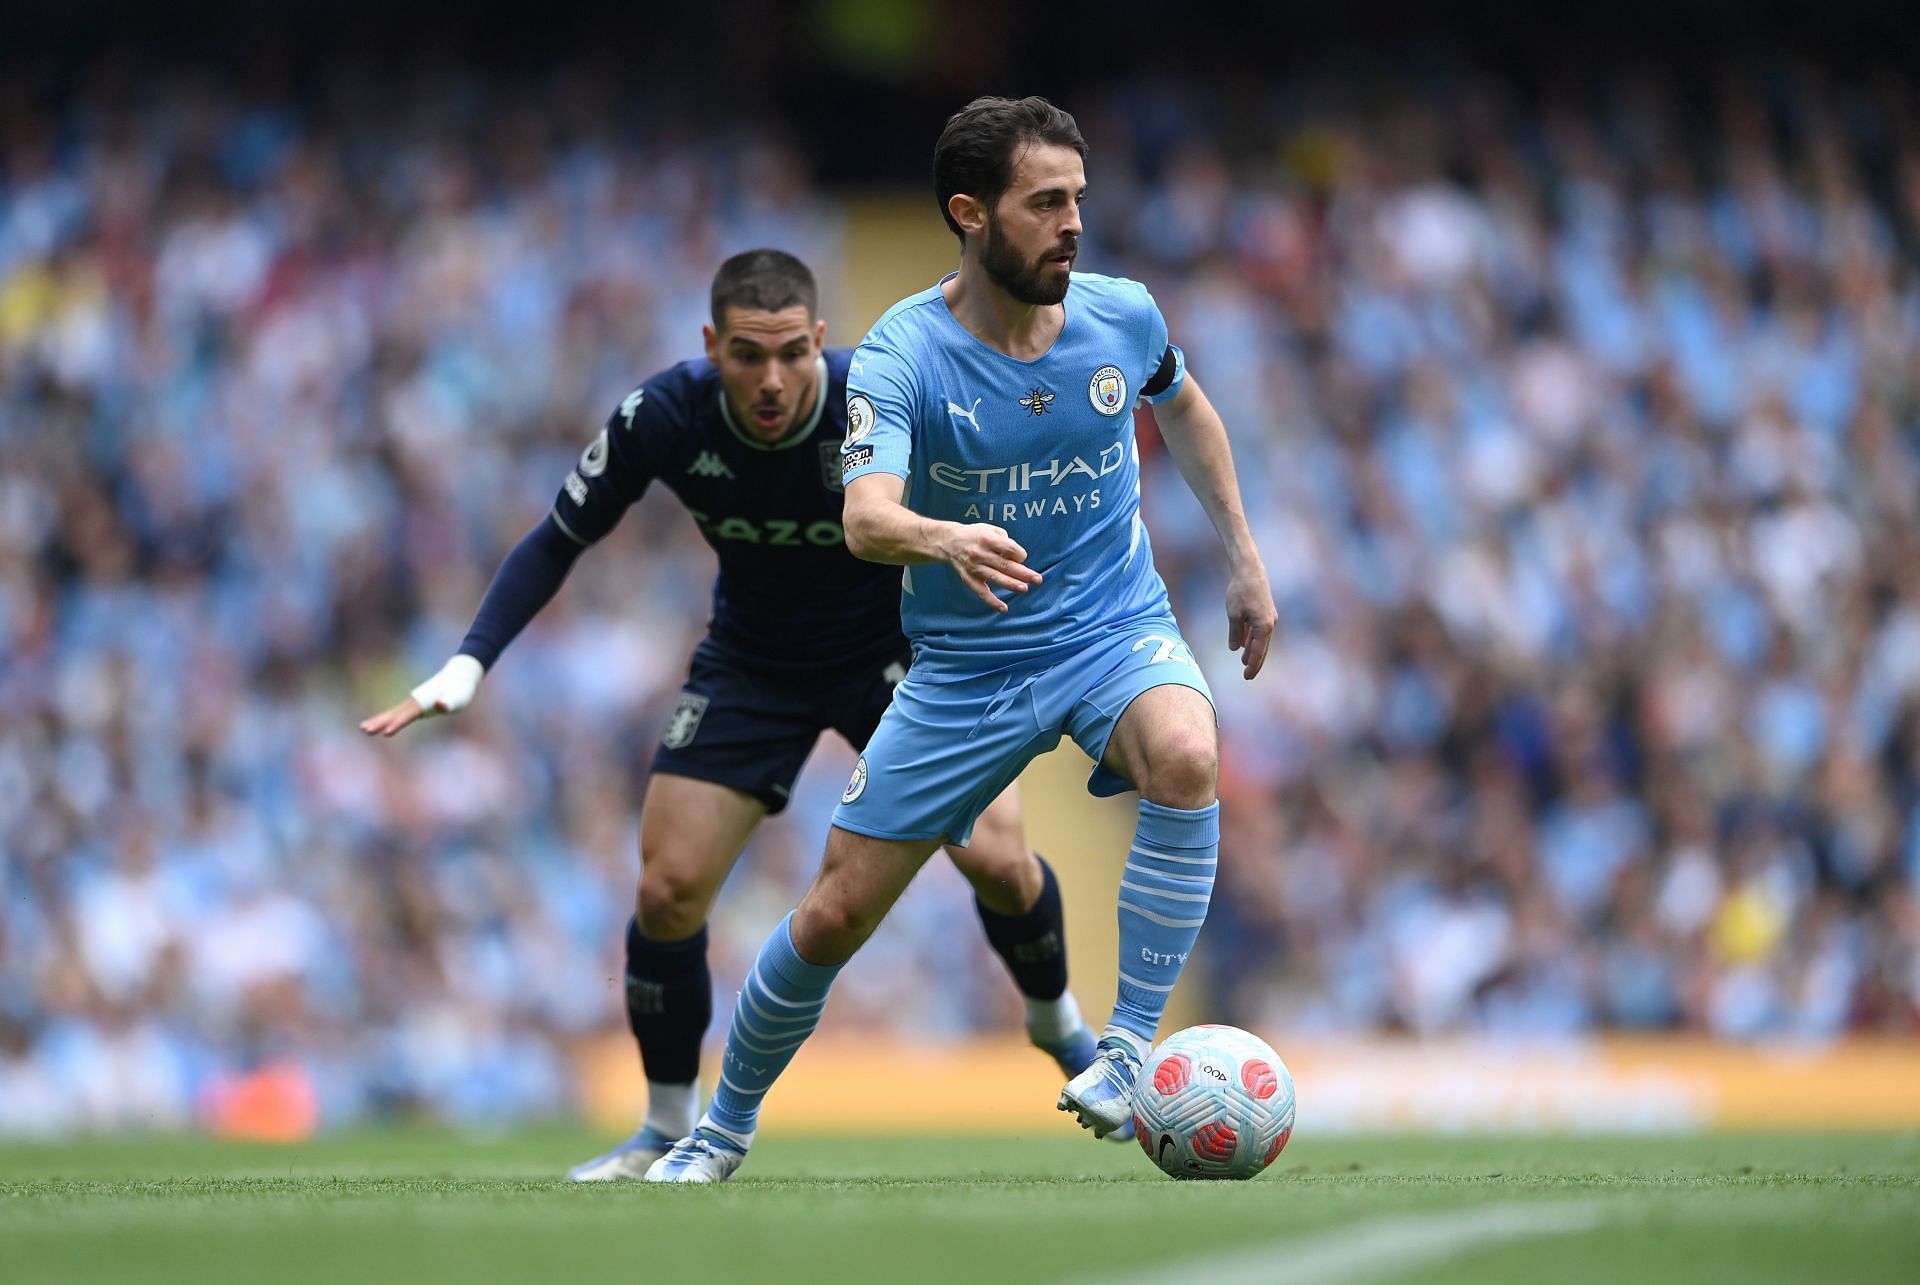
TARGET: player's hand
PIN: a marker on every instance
(987, 558)
(391, 720)
(447, 692)
(1251, 616)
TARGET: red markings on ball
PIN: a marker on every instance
(1144, 1135)
(1173, 1074)
(1259, 1079)
(1215, 1141)
(1279, 1145)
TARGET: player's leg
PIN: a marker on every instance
(1014, 889)
(932, 766)
(1150, 723)
(728, 758)
(1168, 745)
(1018, 900)
(691, 834)
(786, 991)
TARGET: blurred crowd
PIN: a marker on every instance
(1582, 439)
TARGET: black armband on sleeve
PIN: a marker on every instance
(532, 573)
(1163, 377)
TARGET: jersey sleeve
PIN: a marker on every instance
(613, 471)
(1165, 371)
(882, 399)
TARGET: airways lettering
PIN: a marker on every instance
(1012, 511)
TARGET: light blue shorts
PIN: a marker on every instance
(946, 748)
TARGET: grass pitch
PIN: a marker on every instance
(424, 1206)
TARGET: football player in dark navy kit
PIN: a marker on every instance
(804, 637)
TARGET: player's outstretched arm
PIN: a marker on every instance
(1197, 440)
(532, 573)
(882, 529)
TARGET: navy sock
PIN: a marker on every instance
(1033, 945)
(669, 1003)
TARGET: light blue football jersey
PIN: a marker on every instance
(1044, 449)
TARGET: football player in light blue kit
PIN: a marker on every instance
(990, 451)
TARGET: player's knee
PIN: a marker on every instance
(1184, 769)
(673, 901)
(1005, 876)
(829, 929)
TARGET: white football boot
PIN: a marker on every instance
(701, 1156)
(1101, 1097)
(627, 1162)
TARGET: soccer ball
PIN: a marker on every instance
(1213, 1102)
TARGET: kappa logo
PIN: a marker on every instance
(707, 464)
(1037, 400)
(970, 414)
(685, 723)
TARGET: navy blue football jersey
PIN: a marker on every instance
(789, 595)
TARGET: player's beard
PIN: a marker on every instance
(1038, 283)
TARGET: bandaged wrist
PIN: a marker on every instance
(452, 689)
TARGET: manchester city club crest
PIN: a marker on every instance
(1107, 390)
(685, 722)
(857, 784)
(830, 466)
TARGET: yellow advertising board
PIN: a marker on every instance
(1612, 1085)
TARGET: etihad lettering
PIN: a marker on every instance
(1025, 477)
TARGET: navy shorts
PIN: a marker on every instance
(743, 727)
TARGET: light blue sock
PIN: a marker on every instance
(1163, 901)
(778, 1008)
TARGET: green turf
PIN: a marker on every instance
(421, 1206)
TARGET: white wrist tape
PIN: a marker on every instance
(451, 690)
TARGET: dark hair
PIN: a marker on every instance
(763, 281)
(977, 149)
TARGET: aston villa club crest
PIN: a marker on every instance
(685, 723)
(1037, 401)
(830, 466)
(1107, 390)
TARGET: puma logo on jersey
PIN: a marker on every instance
(968, 414)
(707, 464)
(632, 404)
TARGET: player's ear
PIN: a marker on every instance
(969, 212)
(712, 338)
(819, 334)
